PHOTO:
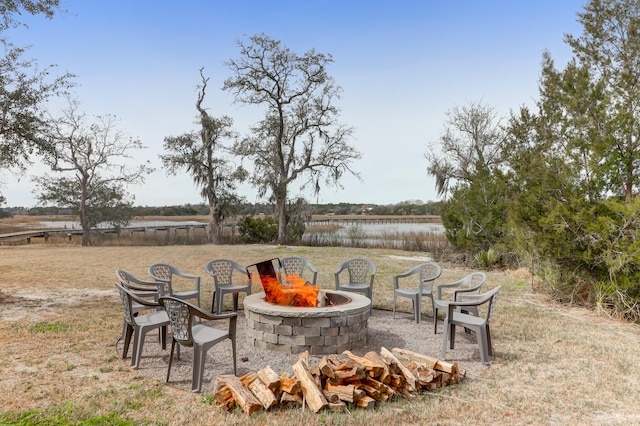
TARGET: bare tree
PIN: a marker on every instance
(469, 145)
(299, 137)
(87, 157)
(203, 156)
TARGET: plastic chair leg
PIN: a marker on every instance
(417, 309)
(213, 302)
(483, 342)
(394, 305)
(219, 305)
(235, 302)
(134, 352)
(233, 352)
(196, 380)
(445, 334)
(127, 340)
(140, 335)
(173, 345)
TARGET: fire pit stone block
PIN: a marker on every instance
(320, 330)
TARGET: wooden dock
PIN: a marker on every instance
(69, 233)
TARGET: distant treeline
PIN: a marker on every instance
(403, 208)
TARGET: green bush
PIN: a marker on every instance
(258, 229)
(487, 258)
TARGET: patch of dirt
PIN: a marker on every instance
(44, 304)
(418, 258)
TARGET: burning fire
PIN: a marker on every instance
(294, 292)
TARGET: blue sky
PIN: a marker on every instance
(401, 64)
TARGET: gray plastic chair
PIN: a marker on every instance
(425, 274)
(298, 266)
(474, 323)
(140, 325)
(150, 290)
(165, 273)
(470, 284)
(129, 280)
(222, 271)
(186, 331)
(361, 273)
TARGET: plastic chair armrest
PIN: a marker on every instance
(209, 316)
(447, 285)
(472, 300)
(465, 290)
(146, 302)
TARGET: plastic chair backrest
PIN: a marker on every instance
(359, 270)
(222, 271)
(429, 272)
(181, 320)
(126, 303)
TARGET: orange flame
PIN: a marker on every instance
(295, 291)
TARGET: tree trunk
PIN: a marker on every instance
(82, 212)
(213, 230)
(283, 221)
(86, 227)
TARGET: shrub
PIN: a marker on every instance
(258, 229)
(487, 258)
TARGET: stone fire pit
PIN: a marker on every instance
(319, 330)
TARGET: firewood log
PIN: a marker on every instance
(386, 390)
(411, 380)
(224, 398)
(332, 397)
(312, 393)
(385, 376)
(373, 369)
(287, 399)
(366, 402)
(270, 379)
(266, 397)
(434, 363)
(290, 385)
(337, 406)
(344, 392)
(242, 395)
(326, 367)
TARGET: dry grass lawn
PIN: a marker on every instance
(60, 318)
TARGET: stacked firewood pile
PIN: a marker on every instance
(338, 380)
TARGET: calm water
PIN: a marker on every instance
(371, 235)
(366, 233)
(380, 229)
(134, 223)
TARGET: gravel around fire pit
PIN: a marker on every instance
(384, 330)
